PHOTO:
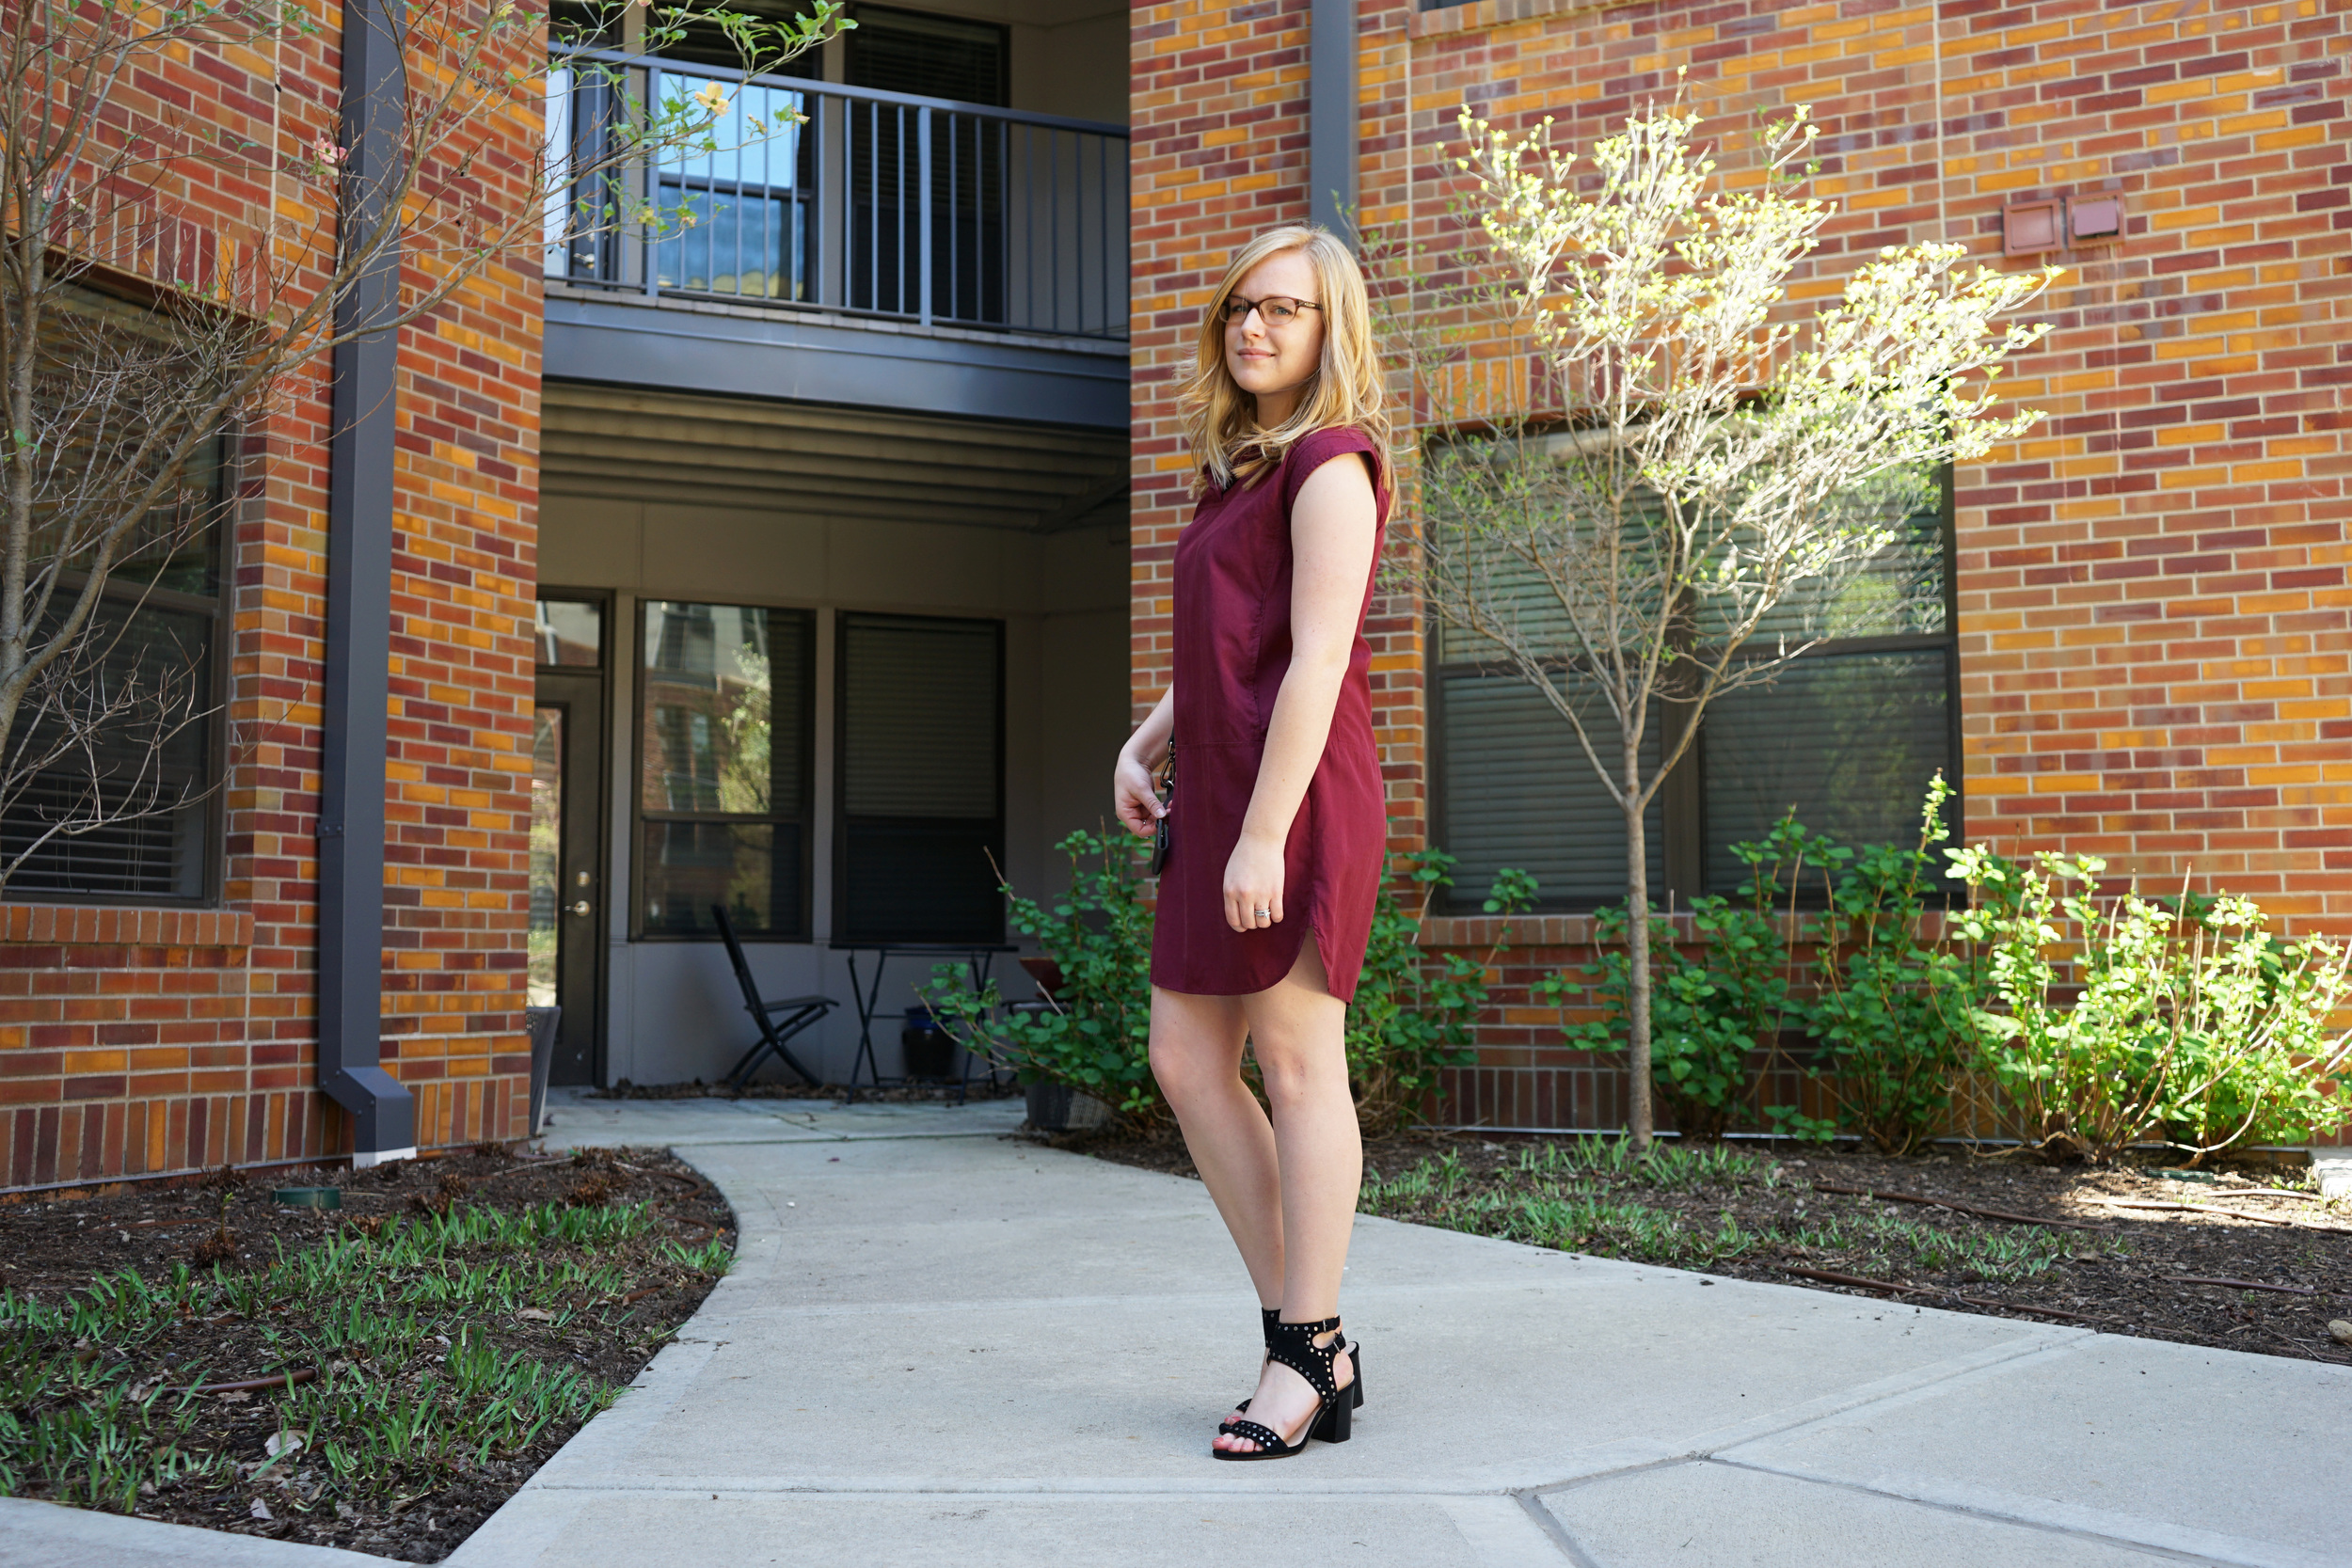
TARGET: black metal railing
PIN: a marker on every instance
(846, 199)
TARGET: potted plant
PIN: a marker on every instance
(1087, 1038)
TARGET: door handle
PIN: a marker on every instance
(580, 908)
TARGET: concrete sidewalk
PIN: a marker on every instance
(943, 1346)
(968, 1350)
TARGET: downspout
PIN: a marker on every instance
(1331, 140)
(359, 613)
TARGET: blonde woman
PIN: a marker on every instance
(1275, 823)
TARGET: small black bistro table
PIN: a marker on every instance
(977, 957)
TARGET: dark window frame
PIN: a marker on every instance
(863, 14)
(638, 817)
(1682, 797)
(843, 622)
(220, 628)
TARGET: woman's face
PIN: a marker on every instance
(1274, 362)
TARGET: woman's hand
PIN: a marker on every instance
(1132, 798)
(1253, 885)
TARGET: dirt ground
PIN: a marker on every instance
(57, 1242)
(2244, 1257)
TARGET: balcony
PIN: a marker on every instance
(880, 248)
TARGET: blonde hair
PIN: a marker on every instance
(1220, 419)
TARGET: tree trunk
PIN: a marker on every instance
(1640, 1120)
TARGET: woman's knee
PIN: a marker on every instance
(1298, 1073)
(1187, 1062)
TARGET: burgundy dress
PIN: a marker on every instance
(1233, 629)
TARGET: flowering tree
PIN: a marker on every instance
(115, 414)
(1700, 462)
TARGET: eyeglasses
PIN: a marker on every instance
(1278, 311)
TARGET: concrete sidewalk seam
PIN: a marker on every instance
(1087, 1487)
(1532, 1504)
(1580, 1468)
(2183, 1542)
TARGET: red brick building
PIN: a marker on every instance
(841, 464)
(2146, 652)
(168, 1019)
(766, 484)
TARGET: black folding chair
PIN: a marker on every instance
(797, 1013)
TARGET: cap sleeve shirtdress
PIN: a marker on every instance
(1233, 632)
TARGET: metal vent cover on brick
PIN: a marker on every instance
(817, 460)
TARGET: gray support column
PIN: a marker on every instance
(359, 611)
(1331, 140)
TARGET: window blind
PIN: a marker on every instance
(1519, 792)
(921, 779)
(1850, 740)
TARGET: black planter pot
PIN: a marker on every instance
(1059, 1108)
(927, 1053)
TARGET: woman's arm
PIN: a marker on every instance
(1333, 525)
(1137, 803)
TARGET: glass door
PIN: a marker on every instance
(566, 953)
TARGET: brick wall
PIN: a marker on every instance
(2151, 589)
(148, 1040)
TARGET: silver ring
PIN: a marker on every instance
(1262, 914)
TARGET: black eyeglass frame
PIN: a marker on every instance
(1230, 315)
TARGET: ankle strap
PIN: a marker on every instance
(1293, 1345)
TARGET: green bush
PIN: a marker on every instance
(1096, 1033)
(1891, 1008)
(1415, 1014)
(1707, 1011)
(2113, 1020)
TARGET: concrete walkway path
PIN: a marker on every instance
(967, 1350)
(944, 1346)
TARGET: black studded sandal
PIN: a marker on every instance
(1273, 1316)
(1293, 1345)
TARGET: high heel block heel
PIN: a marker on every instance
(1332, 1419)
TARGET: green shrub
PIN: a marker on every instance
(2113, 1020)
(1096, 1033)
(1707, 1011)
(1892, 1009)
(1415, 1013)
(1412, 1016)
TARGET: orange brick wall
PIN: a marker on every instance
(2153, 592)
(145, 1040)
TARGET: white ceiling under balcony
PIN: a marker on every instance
(815, 459)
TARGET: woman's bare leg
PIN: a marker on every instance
(1195, 1056)
(1297, 1031)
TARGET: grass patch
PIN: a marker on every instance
(433, 1348)
(1591, 1195)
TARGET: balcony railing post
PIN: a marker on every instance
(649, 201)
(923, 173)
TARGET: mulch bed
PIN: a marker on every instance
(56, 1242)
(2210, 1275)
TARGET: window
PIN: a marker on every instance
(929, 56)
(723, 743)
(1848, 734)
(921, 779)
(125, 809)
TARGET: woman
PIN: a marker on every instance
(1276, 824)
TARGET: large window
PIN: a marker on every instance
(1849, 736)
(722, 799)
(921, 779)
(112, 762)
